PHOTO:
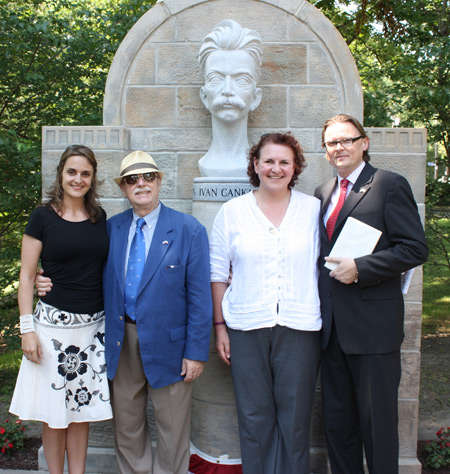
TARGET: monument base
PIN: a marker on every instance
(103, 461)
(98, 460)
(210, 193)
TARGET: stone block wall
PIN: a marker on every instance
(399, 150)
(153, 85)
(152, 103)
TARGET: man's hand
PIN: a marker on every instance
(43, 284)
(346, 271)
(191, 369)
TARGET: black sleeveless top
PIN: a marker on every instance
(72, 255)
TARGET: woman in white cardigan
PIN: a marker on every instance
(267, 320)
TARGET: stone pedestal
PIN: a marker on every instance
(215, 435)
(210, 193)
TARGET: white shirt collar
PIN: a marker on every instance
(354, 175)
(150, 219)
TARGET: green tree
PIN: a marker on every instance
(402, 50)
(54, 58)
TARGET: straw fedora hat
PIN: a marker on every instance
(137, 162)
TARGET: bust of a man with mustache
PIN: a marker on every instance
(230, 57)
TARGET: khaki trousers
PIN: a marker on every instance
(172, 409)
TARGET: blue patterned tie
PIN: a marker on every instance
(136, 262)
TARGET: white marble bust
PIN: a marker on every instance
(230, 57)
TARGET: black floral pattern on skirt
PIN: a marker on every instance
(74, 363)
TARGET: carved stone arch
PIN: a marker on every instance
(290, 28)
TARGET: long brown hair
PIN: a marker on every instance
(56, 192)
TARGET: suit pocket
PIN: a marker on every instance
(380, 292)
(178, 333)
(169, 269)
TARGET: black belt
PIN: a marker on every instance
(129, 320)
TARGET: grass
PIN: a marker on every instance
(436, 283)
(436, 301)
(10, 353)
(9, 366)
(435, 369)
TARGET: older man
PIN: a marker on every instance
(230, 57)
(158, 312)
(362, 302)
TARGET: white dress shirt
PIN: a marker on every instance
(274, 269)
(352, 177)
(148, 230)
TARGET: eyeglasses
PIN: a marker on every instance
(133, 178)
(345, 142)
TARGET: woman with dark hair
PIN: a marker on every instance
(62, 379)
(267, 320)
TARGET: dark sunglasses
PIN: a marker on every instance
(133, 178)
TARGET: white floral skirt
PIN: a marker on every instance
(70, 384)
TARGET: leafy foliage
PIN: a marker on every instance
(437, 226)
(403, 56)
(11, 436)
(9, 367)
(402, 53)
(54, 58)
(438, 452)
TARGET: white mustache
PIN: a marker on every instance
(220, 102)
(140, 190)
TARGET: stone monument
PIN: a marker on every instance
(152, 103)
(230, 57)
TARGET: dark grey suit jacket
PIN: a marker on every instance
(368, 315)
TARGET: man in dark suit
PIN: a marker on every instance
(362, 302)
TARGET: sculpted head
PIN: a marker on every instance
(230, 57)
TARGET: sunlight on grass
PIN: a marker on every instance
(444, 299)
(436, 283)
(9, 366)
(10, 360)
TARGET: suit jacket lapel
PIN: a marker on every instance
(359, 190)
(326, 193)
(121, 229)
(161, 242)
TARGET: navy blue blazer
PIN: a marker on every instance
(173, 307)
(368, 315)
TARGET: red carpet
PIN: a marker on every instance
(198, 465)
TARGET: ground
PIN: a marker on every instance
(434, 405)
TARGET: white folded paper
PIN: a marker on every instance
(355, 240)
(406, 280)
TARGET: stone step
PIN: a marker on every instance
(98, 461)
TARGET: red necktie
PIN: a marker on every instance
(331, 222)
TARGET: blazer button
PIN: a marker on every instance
(120, 318)
(118, 343)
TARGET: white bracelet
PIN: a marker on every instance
(26, 323)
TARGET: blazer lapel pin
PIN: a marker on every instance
(165, 242)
